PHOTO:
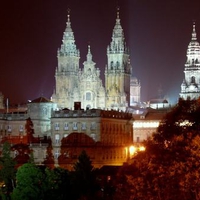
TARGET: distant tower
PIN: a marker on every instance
(134, 91)
(190, 88)
(1, 101)
(118, 70)
(66, 75)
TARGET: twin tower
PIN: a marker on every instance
(75, 84)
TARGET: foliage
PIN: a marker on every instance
(170, 167)
(22, 153)
(30, 184)
(57, 183)
(83, 178)
(181, 120)
(7, 172)
(29, 129)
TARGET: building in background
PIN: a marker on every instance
(105, 135)
(134, 91)
(74, 84)
(190, 88)
(86, 115)
(40, 111)
(146, 122)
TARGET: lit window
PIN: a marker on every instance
(83, 126)
(88, 96)
(9, 128)
(21, 128)
(75, 126)
(56, 126)
(66, 127)
(57, 138)
(57, 153)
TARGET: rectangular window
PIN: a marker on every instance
(93, 126)
(138, 139)
(66, 127)
(83, 126)
(57, 153)
(21, 128)
(57, 138)
(9, 128)
(88, 96)
(75, 127)
(56, 126)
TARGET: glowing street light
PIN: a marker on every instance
(132, 150)
(142, 148)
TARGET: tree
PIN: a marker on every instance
(30, 183)
(181, 120)
(83, 178)
(29, 129)
(169, 168)
(22, 153)
(58, 184)
(8, 171)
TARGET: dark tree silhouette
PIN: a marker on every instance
(7, 169)
(83, 178)
(170, 167)
(29, 129)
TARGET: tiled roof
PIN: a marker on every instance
(41, 100)
(151, 115)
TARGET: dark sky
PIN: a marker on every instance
(156, 31)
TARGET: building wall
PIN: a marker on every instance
(105, 135)
(91, 92)
(190, 88)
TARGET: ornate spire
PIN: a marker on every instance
(68, 46)
(193, 51)
(117, 45)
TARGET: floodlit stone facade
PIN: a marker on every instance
(105, 135)
(190, 88)
(40, 111)
(146, 123)
(134, 91)
(74, 84)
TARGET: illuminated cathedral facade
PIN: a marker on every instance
(190, 88)
(76, 84)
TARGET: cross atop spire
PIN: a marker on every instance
(89, 55)
(68, 19)
(194, 35)
(118, 8)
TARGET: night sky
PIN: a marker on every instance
(156, 31)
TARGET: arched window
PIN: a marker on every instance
(88, 107)
(111, 65)
(88, 96)
(117, 64)
(192, 79)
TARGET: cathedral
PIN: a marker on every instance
(76, 84)
(190, 88)
(85, 113)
